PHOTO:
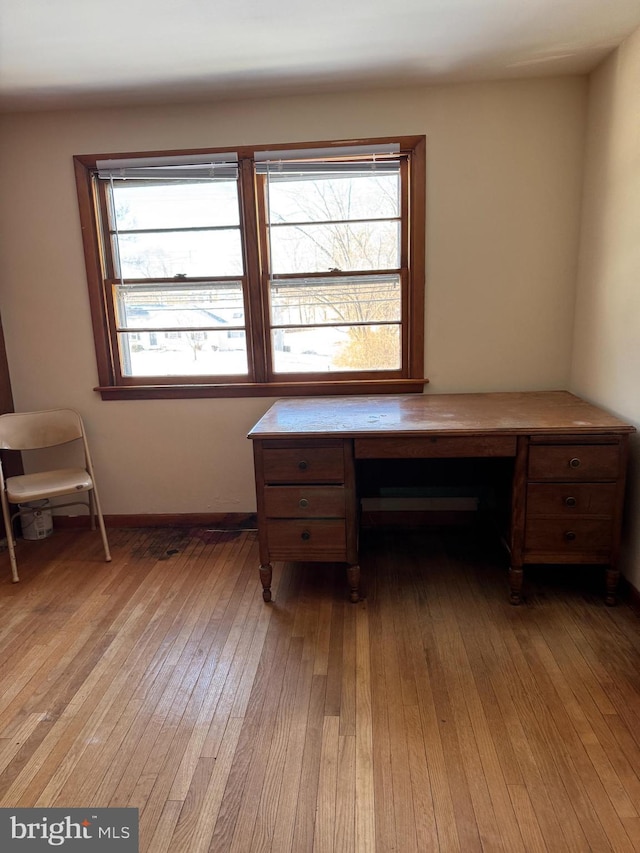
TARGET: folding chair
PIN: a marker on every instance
(25, 431)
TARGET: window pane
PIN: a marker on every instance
(196, 353)
(140, 205)
(342, 247)
(189, 253)
(164, 306)
(316, 199)
(336, 348)
(337, 299)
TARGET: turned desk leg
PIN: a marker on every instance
(516, 577)
(266, 572)
(353, 578)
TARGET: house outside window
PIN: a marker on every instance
(290, 270)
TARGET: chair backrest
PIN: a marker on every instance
(33, 430)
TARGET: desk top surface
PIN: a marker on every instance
(507, 413)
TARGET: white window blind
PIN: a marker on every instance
(194, 167)
(341, 160)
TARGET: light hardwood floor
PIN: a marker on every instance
(432, 716)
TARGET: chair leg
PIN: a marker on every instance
(92, 510)
(105, 541)
(10, 540)
(12, 557)
(103, 531)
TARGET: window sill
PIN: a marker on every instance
(252, 389)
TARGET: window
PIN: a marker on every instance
(296, 270)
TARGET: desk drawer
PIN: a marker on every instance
(436, 446)
(302, 539)
(586, 462)
(304, 464)
(571, 499)
(560, 535)
(305, 501)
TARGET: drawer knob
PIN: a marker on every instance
(574, 463)
(303, 465)
(303, 503)
(570, 501)
(305, 535)
(569, 535)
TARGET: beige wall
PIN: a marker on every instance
(606, 354)
(504, 173)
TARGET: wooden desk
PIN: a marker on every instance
(567, 484)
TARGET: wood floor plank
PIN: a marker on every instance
(344, 840)
(421, 793)
(346, 636)
(270, 695)
(385, 827)
(541, 747)
(236, 816)
(12, 743)
(279, 738)
(575, 771)
(443, 739)
(400, 776)
(285, 819)
(365, 825)
(330, 660)
(202, 824)
(307, 795)
(324, 835)
(512, 691)
(162, 840)
(581, 701)
(432, 803)
(595, 779)
(527, 820)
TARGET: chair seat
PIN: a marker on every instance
(47, 484)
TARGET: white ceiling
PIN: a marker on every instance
(59, 53)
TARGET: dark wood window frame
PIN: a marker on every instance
(410, 378)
